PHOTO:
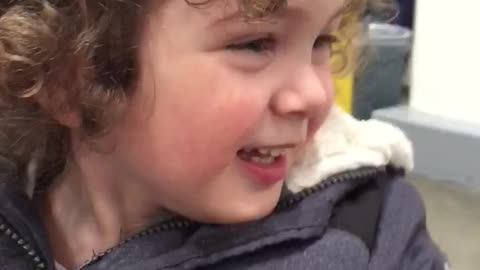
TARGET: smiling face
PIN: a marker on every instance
(215, 96)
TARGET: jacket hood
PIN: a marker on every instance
(344, 143)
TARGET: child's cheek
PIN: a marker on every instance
(226, 130)
(200, 118)
(205, 131)
(219, 121)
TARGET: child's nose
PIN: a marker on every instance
(303, 94)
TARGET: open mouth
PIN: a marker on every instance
(263, 156)
(267, 165)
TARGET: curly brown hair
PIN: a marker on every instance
(75, 55)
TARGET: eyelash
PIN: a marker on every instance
(256, 45)
(268, 43)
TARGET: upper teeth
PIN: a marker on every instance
(271, 152)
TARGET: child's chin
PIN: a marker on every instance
(242, 214)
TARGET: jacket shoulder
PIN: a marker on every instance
(403, 240)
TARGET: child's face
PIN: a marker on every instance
(210, 86)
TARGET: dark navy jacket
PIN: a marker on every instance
(303, 233)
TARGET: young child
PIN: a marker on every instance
(193, 135)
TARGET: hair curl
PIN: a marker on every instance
(77, 55)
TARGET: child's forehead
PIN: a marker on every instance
(226, 10)
(223, 9)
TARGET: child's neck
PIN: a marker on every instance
(83, 216)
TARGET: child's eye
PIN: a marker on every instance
(325, 41)
(256, 46)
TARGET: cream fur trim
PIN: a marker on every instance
(344, 143)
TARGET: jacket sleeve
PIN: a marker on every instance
(403, 241)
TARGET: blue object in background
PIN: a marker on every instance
(405, 17)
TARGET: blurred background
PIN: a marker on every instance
(419, 72)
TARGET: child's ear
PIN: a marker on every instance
(57, 108)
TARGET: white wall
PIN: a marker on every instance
(446, 59)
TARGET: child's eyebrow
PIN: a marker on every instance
(292, 11)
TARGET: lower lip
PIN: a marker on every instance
(266, 174)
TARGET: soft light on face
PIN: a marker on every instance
(212, 86)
